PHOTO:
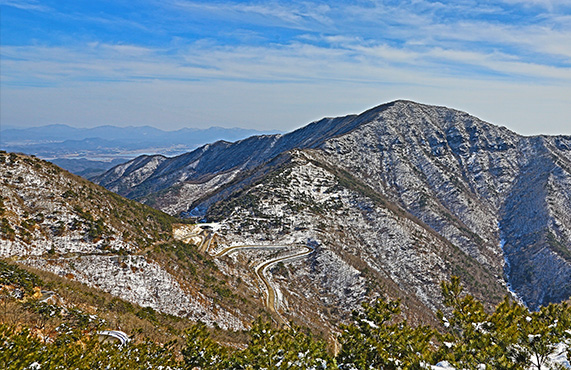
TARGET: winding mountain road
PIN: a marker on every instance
(188, 234)
(271, 301)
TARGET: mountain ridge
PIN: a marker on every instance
(451, 170)
(264, 144)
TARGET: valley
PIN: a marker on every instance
(272, 301)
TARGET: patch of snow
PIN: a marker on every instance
(442, 365)
(507, 268)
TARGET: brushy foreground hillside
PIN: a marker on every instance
(55, 221)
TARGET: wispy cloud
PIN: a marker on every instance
(274, 13)
(338, 59)
(547, 4)
(26, 5)
(223, 48)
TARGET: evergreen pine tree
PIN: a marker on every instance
(290, 348)
(203, 352)
(374, 341)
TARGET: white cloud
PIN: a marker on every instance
(25, 5)
(547, 4)
(292, 15)
(348, 58)
(446, 25)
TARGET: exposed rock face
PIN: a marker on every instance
(41, 209)
(535, 221)
(463, 183)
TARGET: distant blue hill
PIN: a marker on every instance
(143, 134)
(86, 151)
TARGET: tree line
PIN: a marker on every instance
(509, 338)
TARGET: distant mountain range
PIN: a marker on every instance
(90, 151)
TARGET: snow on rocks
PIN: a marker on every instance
(139, 280)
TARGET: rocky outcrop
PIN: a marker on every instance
(140, 280)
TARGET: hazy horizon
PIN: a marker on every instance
(16, 127)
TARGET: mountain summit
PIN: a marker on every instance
(502, 201)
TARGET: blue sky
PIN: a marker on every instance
(281, 64)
